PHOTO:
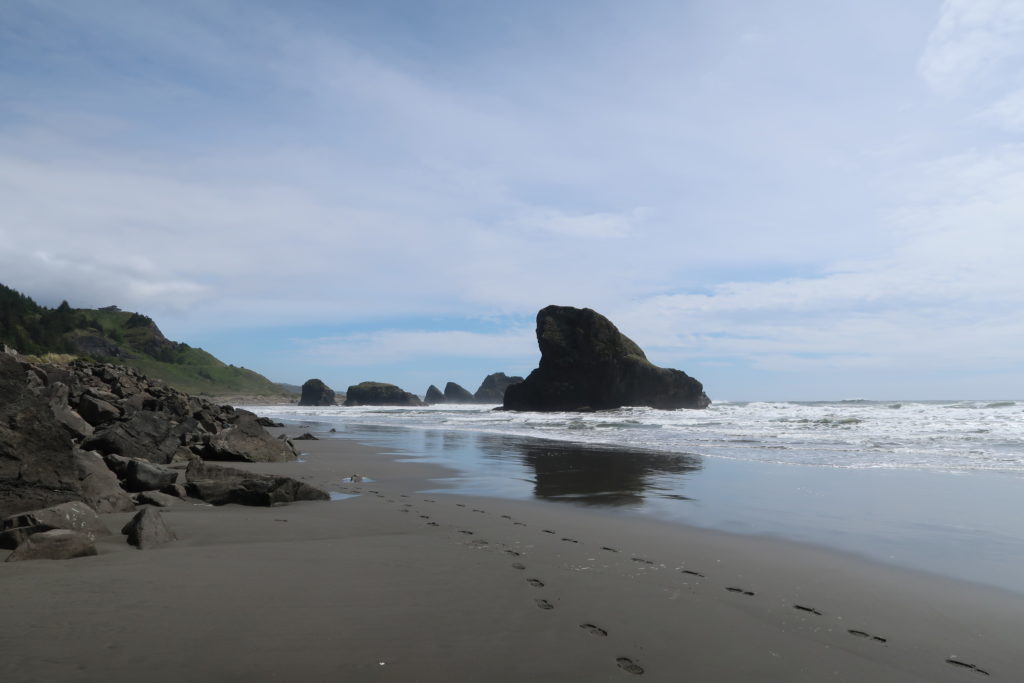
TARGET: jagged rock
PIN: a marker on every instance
(56, 544)
(176, 490)
(267, 422)
(305, 437)
(145, 476)
(57, 394)
(223, 485)
(96, 411)
(74, 516)
(147, 529)
(433, 396)
(316, 393)
(379, 394)
(492, 389)
(245, 440)
(453, 393)
(37, 460)
(587, 364)
(99, 486)
(157, 498)
(146, 435)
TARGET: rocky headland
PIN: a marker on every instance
(587, 364)
(379, 394)
(316, 393)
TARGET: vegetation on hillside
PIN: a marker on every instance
(133, 339)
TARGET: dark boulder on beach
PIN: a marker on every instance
(316, 393)
(223, 485)
(379, 394)
(453, 393)
(587, 364)
(492, 389)
(147, 529)
(433, 396)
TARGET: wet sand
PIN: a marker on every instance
(396, 585)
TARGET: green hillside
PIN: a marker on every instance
(133, 339)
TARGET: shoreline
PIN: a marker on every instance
(388, 585)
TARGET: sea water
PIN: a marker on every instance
(932, 485)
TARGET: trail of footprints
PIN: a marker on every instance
(627, 664)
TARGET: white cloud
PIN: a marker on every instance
(388, 346)
(1007, 112)
(972, 39)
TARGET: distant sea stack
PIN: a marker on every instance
(492, 389)
(316, 393)
(379, 394)
(587, 364)
(454, 393)
(433, 396)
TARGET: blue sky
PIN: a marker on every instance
(787, 200)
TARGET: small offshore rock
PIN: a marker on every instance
(316, 393)
(305, 437)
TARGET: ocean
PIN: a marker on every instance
(932, 485)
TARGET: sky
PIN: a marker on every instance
(788, 200)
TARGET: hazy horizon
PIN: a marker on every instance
(795, 201)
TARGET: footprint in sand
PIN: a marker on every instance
(611, 550)
(594, 630)
(477, 510)
(733, 589)
(547, 531)
(463, 531)
(692, 573)
(629, 666)
(543, 604)
(862, 634)
(429, 500)
(432, 524)
(460, 505)
(424, 516)
(402, 495)
(642, 560)
(570, 540)
(805, 608)
(965, 665)
(536, 583)
(518, 565)
(513, 553)
(519, 524)
(506, 516)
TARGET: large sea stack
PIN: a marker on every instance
(587, 364)
(379, 394)
(316, 393)
(455, 393)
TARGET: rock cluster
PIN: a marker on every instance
(587, 364)
(379, 394)
(88, 438)
(491, 391)
(316, 393)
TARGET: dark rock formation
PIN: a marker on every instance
(379, 394)
(492, 389)
(163, 500)
(305, 436)
(453, 393)
(223, 485)
(47, 409)
(140, 475)
(433, 396)
(74, 516)
(147, 529)
(587, 364)
(316, 393)
(56, 544)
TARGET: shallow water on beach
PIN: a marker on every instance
(927, 489)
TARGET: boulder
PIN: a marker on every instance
(223, 485)
(453, 393)
(433, 396)
(316, 393)
(587, 364)
(492, 389)
(74, 516)
(379, 394)
(145, 476)
(306, 436)
(146, 435)
(99, 487)
(56, 544)
(147, 529)
(157, 498)
(245, 440)
(37, 459)
(96, 411)
(57, 394)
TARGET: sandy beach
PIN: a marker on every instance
(393, 584)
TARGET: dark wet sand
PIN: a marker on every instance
(395, 585)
